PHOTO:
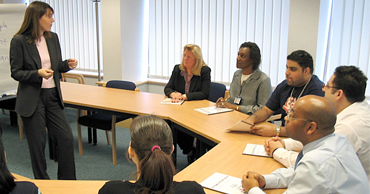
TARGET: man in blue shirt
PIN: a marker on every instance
(299, 82)
(327, 163)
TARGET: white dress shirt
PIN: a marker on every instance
(329, 165)
(353, 122)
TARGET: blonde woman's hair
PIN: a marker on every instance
(199, 63)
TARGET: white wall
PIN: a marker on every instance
(303, 26)
(122, 38)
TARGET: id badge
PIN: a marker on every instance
(237, 100)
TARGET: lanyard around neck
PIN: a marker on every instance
(291, 94)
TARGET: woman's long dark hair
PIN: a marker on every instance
(156, 166)
(31, 22)
(7, 183)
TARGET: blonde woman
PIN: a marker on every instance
(191, 80)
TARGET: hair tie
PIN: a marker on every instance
(155, 147)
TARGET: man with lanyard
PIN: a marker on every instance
(299, 82)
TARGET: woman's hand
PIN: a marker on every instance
(45, 73)
(72, 63)
(176, 97)
(221, 103)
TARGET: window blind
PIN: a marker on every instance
(219, 27)
(348, 37)
(75, 24)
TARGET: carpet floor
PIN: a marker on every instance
(94, 164)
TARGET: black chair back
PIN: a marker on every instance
(217, 91)
(120, 84)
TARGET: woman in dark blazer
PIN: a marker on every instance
(191, 80)
(36, 63)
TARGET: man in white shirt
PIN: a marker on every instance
(327, 163)
(346, 90)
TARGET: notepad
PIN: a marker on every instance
(212, 110)
(240, 126)
(224, 183)
(169, 101)
(256, 150)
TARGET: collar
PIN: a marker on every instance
(353, 108)
(315, 144)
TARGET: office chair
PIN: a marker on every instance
(104, 121)
(78, 77)
(217, 90)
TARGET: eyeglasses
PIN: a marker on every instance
(327, 86)
(290, 117)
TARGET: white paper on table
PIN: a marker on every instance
(256, 150)
(224, 183)
(212, 110)
(169, 101)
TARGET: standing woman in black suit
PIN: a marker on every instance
(36, 63)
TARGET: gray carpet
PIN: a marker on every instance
(95, 164)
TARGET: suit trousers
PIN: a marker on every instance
(50, 114)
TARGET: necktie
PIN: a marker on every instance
(300, 155)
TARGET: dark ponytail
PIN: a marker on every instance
(151, 138)
(7, 183)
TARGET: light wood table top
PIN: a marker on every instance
(226, 157)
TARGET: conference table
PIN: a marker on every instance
(225, 157)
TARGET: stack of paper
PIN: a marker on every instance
(223, 183)
(213, 110)
(256, 150)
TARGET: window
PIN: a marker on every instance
(344, 37)
(75, 24)
(218, 27)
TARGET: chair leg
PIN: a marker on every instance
(114, 148)
(108, 139)
(20, 127)
(80, 148)
(94, 136)
(89, 137)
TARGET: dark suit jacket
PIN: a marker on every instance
(200, 86)
(25, 62)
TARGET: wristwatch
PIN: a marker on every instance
(277, 131)
(184, 96)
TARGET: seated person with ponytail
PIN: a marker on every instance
(150, 149)
(7, 183)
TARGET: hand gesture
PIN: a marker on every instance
(45, 73)
(264, 129)
(253, 179)
(72, 63)
(272, 144)
(176, 97)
